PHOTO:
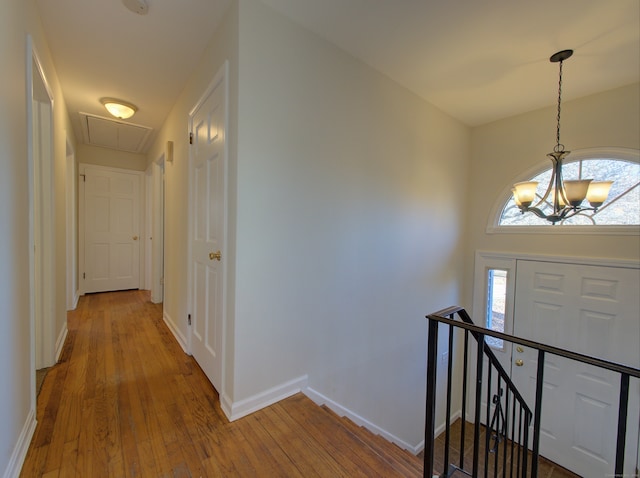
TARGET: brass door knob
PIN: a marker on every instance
(519, 349)
(215, 255)
(519, 363)
(135, 238)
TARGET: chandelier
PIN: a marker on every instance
(566, 197)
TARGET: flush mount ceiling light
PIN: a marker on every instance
(118, 108)
(137, 6)
(566, 197)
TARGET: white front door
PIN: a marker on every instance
(592, 310)
(111, 222)
(208, 165)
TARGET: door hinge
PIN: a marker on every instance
(84, 178)
(190, 138)
(189, 319)
(84, 276)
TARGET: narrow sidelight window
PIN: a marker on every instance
(496, 299)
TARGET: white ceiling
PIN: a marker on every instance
(476, 60)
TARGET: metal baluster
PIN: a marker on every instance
(429, 427)
(513, 433)
(497, 415)
(525, 448)
(538, 414)
(506, 432)
(487, 432)
(476, 431)
(464, 398)
(448, 413)
(622, 423)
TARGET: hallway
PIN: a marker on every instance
(124, 400)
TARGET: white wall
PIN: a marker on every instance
(505, 149)
(344, 224)
(110, 158)
(351, 192)
(15, 399)
(19, 18)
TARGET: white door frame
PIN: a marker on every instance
(41, 211)
(221, 75)
(71, 190)
(148, 226)
(81, 222)
(155, 229)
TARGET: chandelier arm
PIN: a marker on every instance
(560, 215)
(579, 213)
(574, 211)
(557, 166)
(543, 199)
(538, 212)
(560, 192)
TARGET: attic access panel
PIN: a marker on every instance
(108, 133)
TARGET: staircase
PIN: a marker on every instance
(509, 444)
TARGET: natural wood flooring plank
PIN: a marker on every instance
(70, 453)
(312, 461)
(126, 401)
(35, 461)
(357, 460)
(305, 464)
(261, 451)
(85, 462)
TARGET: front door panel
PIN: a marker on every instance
(591, 310)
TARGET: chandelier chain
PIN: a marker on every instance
(559, 147)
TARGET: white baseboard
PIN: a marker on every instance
(182, 340)
(252, 404)
(74, 300)
(60, 341)
(22, 446)
(320, 399)
(440, 429)
(226, 404)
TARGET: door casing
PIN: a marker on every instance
(41, 213)
(485, 260)
(82, 223)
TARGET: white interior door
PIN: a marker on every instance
(208, 166)
(112, 230)
(591, 310)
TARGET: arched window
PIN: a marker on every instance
(622, 207)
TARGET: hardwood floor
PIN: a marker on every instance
(546, 468)
(125, 401)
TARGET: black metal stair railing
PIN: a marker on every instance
(506, 441)
(506, 431)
